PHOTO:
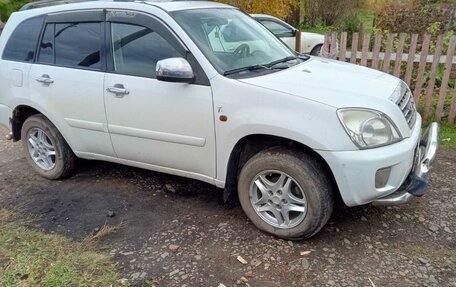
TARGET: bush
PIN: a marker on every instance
(417, 18)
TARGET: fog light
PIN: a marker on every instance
(382, 177)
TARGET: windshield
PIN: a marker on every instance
(231, 40)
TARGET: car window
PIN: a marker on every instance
(78, 44)
(212, 30)
(137, 49)
(22, 42)
(277, 29)
(46, 49)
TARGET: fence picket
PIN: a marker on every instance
(354, 50)
(445, 79)
(387, 59)
(452, 115)
(376, 50)
(366, 47)
(333, 48)
(325, 48)
(398, 60)
(432, 76)
(421, 68)
(410, 63)
(343, 46)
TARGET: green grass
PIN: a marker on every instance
(32, 258)
(448, 136)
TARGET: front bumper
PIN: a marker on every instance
(416, 183)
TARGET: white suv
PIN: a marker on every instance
(144, 84)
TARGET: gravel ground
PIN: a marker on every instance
(178, 232)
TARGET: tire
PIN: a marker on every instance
(316, 51)
(306, 176)
(40, 137)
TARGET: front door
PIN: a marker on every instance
(166, 125)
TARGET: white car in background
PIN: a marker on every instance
(311, 43)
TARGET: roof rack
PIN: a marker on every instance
(47, 3)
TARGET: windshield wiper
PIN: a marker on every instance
(286, 59)
(248, 68)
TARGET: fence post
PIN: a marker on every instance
(432, 76)
(343, 46)
(411, 59)
(376, 50)
(400, 50)
(366, 47)
(298, 47)
(421, 68)
(354, 50)
(445, 78)
(388, 49)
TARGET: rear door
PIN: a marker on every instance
(67, 79)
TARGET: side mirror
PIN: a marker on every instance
(175, 70)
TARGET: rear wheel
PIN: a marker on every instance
(285, 193)
(45, 148)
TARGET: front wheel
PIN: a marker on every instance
(285, 193)
(46, 150)
(316, 51)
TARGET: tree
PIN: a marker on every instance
(278, 8)
(328, 11)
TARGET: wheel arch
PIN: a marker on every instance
(250, 145)
(21, 113)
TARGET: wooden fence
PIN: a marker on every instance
(426, 65)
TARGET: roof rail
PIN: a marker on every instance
(47, 3)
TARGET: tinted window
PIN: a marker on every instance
(136, 49)
(78, 45)
(46, 54)
(277, 29)
(22, 43)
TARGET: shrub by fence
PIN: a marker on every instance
(427, 66)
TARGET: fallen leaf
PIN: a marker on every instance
(242, 260)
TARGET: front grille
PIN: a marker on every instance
(407, 106)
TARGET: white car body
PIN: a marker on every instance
(175, 128)
(310, 42)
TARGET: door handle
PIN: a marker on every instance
(118, 90)
(45, 80)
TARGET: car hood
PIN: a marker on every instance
(331, 82)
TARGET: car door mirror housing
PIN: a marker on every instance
(176, 70)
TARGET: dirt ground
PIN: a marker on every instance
(178, 232)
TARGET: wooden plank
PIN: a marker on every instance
(398, 56)
(366, 43)
(445, 78)
(412, 50)
(388, 49)
(376, 50)
(354, 47)
(404, 58)
(421, 68)
(452, 115)
(431, 82)
(343, 46)
(333, 47)
(325, 48)
(298, 42)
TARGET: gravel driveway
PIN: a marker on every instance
(178, 232)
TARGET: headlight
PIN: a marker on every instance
(368, 128)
